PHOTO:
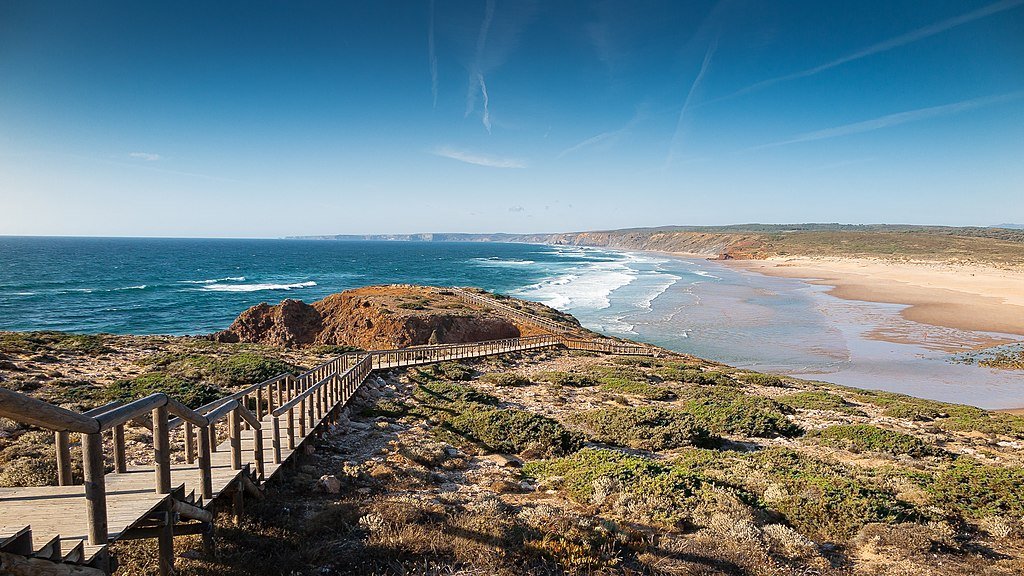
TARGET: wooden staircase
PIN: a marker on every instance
(65, 529)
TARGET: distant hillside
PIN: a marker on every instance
(995, 245)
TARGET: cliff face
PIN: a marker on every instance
(371, 318)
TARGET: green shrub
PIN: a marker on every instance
(867, 438)
(505, 379)
(453, 371)
(388, 408)
(627, 380)
(725, 410)
(819, 400)
(570, 379)
(949, 417)
(333, 349)
(443, 394)
(512, 431)
(759, 379)
(192, 394)
(672, 489)
(693, 376)
(644, 428)
(53, 341)
(642, 389)
(820, 499)
(972, 490)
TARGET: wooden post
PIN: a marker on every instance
(257, 437)
(291, 428)
(166, 545)
(302, 418)
(235, 432)
(63, 446)
(204, 462)
(162, 450)
(259, 403)
(190, 444)
(276, 422)
(95, 487)
(244, 401)
(120, 461)
(237, 503)
(213, 436)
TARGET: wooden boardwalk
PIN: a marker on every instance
(267, 423)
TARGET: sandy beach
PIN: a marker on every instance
(964, 297)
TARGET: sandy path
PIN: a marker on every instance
(965, 297)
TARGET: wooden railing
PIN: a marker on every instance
(510, 312)
(610, 347)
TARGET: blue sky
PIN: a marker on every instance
(267, 119)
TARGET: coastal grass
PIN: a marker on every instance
(868, 438)
(628, 380)
(644, 428)
(475, 418)
(726, 410)
(948, 417)
(819, 400)
(50, 341)
(817, 498)
(567, 379)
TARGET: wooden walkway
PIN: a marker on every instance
(267, 423)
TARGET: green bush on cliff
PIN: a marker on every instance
(645, 428)
(570, 379)
(726, 410)
(53, 341)
(505, 379)
(668, 491)
(949, 417)
(190, 393)
(868, 438)
(512, 431)
(628, 380)
(819, 400)
(969, 489)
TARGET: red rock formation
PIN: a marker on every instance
(368, 318)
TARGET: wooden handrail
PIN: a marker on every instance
(126, 412)
(304, 394)
(29, 410)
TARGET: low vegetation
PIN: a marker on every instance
(646, 428)
(819, 400)
(868, 438)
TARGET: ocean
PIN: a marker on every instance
(198, 286)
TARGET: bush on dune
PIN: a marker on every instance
(867, 438)
(645, 428)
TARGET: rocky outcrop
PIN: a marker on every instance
(371, 318)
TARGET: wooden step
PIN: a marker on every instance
(75, 550)
(16, 540)
(50, 550)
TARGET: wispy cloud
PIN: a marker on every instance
(515, 208)
(478, 159)
(708, 54)
(895, 119)
(884, 46)
(605, 138)
(432, 55)
(477, 84)
(147, 156)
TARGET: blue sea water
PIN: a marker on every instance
(198, 286)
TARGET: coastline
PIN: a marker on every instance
(962, 297)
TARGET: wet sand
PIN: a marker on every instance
(967, 297)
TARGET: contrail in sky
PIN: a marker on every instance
(476, 76)
(895, 119)
(689, 98)
(884, 46)
(432, 55)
